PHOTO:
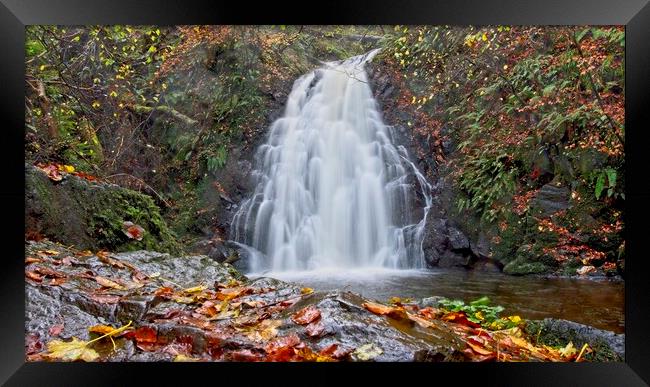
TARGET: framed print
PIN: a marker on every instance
(375, 188)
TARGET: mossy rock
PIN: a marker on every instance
(522, 267)
(606, 345)
(91, 215)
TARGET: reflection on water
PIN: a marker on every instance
(596, 303)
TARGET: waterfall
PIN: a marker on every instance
(332, 190)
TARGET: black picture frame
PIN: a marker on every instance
(16, 14)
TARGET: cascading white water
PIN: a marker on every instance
(332, 191)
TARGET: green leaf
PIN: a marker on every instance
(611, 177)
(600, 185)
(582, 34)
(481, 301)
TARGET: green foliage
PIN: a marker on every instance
(606, 179)
(478, 311)
(486, 180)
(218, 160)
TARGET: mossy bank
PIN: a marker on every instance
(92, 215)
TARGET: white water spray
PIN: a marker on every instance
(332, 191)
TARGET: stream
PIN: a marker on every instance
(334, 209)
(599, 303)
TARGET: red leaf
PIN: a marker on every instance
(33, 344)
(143, 335)
(181, 345)
(282, 342)
(246, 355)
(306, 315)
(476, 357)
(283, 354)
(52, 171)
(56, 330)
(105, 298)
(133, 231)
(315, 329)
(459, 318)
(329, 350)
(478, 348)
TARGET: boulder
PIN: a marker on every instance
(608, 346)
(551, 199)
(92, 215)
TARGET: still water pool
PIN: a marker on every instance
(599, 303)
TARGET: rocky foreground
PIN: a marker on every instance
(148, 306)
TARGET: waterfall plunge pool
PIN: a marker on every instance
(595, 302)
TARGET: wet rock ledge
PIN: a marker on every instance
(193, 308)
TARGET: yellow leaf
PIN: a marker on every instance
(96, 104)
(264, 331)
(113, 94)
(71, 350)
(568, 351)
(306, 290)
(484, 37)
(108, 283)
(68, 168)
(195, 289)
(182, 358)
(515, 319)
(367, 352)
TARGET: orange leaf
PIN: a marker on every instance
(377, 308)
(33, 276)
(165, 292)
(396, 312)
(49, 272)
(108, 283)
(306, 315)
(58, 281)
(101, 329)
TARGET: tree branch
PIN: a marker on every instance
(166, 110)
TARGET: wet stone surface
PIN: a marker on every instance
(147, 306)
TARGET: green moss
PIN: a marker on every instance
(110, 208)
(91, 215)
(540, 334)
